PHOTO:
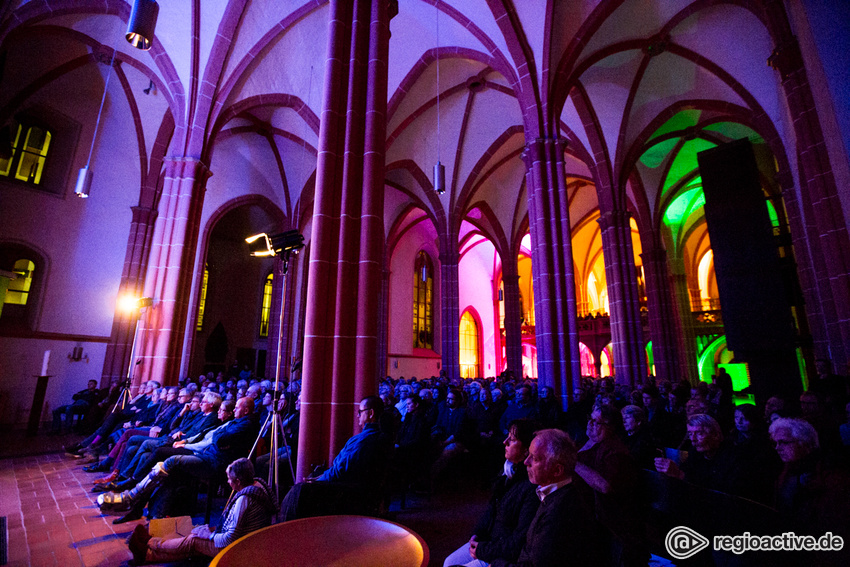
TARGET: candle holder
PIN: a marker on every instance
(37, 405)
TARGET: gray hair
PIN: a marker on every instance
(213, 398)
(636, 412)
(801, 430)
(557, 447)
(241, 470)
(706, 422)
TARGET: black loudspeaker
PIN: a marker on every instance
(757, 314)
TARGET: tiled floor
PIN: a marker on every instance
(52, 518)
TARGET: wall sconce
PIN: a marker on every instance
(151, 89)
(142, 24)
(77, 355)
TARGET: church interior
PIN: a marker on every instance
(550, 189)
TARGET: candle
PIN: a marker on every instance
(44, 363)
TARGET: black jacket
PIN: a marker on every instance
(563, 532)
(502, 528)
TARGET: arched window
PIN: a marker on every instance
(468, 346)
(266, 311)
(202, 300)
(423, 302)
(20, 296)
(588, 365)
(29, 145)
(19, 288)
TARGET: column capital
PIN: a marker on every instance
(655, 254)
(144, 215)
(539, 149)
(186, 167)
(786, 57)
(614, 218)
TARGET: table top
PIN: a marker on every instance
(328, 541)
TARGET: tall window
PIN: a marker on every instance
(19, 288)
(202, 301)
(423, 302)
(266, 311)
(468, 346)
(29, 146)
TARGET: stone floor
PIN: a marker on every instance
(52, 517)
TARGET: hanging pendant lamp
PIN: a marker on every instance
(142, 23)
(439, 168)
(84, 178)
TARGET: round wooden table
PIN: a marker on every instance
(327, 541)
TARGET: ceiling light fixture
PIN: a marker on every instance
(140, 28)
(439, 169)
(85, 177)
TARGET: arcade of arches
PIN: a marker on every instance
(585, 223)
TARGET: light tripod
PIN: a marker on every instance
(282, 245)
(130, 304)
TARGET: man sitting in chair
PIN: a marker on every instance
(353, 480)
(564, 530)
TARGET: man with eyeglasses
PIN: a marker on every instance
(353, 480)
(714, 464)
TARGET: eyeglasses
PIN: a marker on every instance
(359, 411)
(596, 422)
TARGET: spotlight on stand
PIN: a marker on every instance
(283, 245)
(130, 304)
(262, 244)
(142, 24)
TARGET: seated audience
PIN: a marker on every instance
(451, 435)
(354, 478)
(521, 407)
(812, 493)
(501, 530)
(204, 414)
(82, 402)
(642, 447)
(229, 440)
(605, 464)
(714, 464)
(250, 508)
(288, 449)
(564, 528)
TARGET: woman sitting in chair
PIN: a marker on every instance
(500, 533)
(250, 507)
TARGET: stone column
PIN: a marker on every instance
(348, 237)
(383, 324)
(623, 300)
(132, 282)
(450, 306)
(687, 345)
(662, 314)
(169, 279)
(823, 222)
(513, 317)
(556, 330)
